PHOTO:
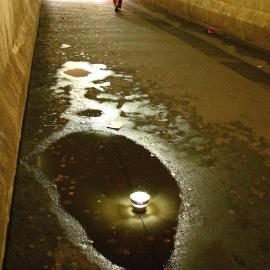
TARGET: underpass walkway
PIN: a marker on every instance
(140, 100)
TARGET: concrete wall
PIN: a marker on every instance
(18, 25)
(246, 20)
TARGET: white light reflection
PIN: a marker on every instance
(139, 201)
(118, 210)
(95, 78)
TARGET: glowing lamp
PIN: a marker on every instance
(139, 201)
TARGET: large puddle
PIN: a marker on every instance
(94, 174)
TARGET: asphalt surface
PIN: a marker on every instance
(196, 130)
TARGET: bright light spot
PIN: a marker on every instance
(139, 200)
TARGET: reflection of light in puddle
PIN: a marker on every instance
(136, 96)
(139, 201)
(137, 104)
(107, 96)
(65, 46)
(95, 74)
(120, 209)
(143, 108)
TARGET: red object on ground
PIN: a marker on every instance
(117, 2)
(211, 30)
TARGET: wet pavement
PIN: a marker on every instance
(195, 129)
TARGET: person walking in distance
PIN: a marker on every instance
(117, 4)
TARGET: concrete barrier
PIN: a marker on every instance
(18, 27)
(245, 20)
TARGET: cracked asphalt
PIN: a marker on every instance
(196, 131)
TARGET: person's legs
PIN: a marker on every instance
(115, 2)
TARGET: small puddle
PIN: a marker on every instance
(77, 72)
(90, 113)
(94, 174)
